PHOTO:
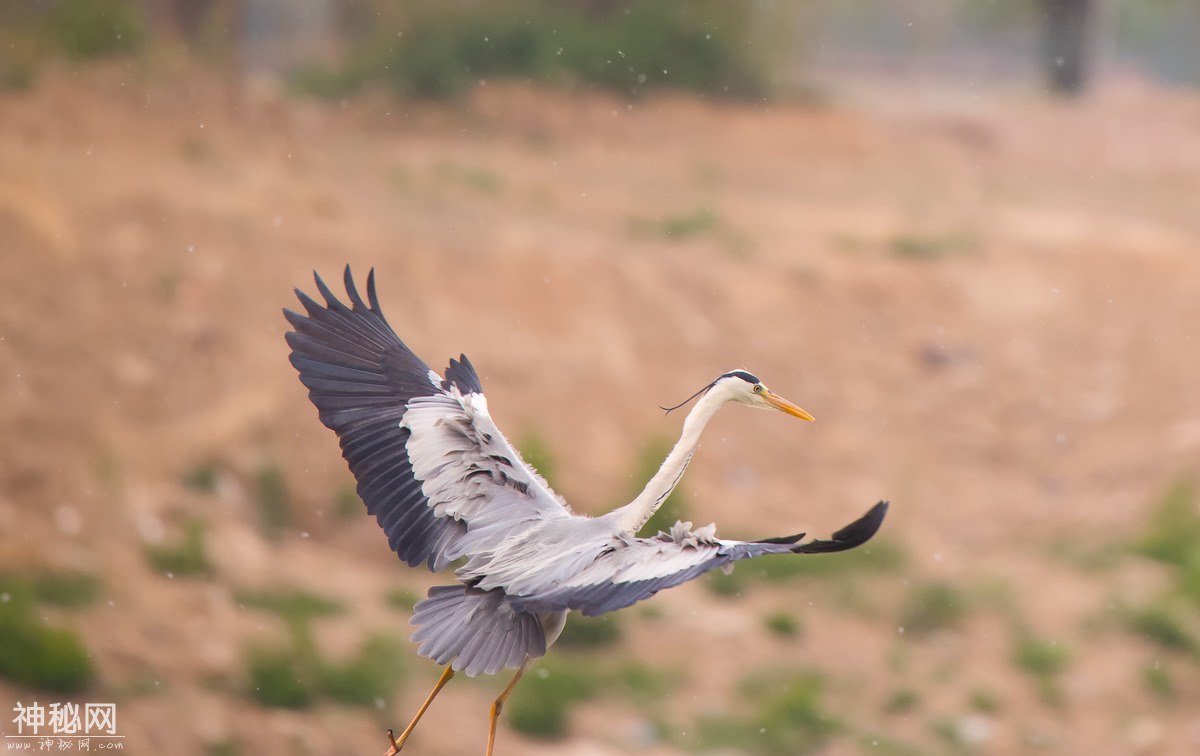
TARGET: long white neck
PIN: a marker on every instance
(636, 513)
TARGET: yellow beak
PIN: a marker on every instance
(783, 405)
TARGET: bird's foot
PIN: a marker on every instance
(395, 746)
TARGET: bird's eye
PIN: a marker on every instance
(758, 388)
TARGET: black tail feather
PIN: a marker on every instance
(855, 534)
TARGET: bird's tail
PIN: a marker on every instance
(479, 631)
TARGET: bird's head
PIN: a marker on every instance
(745, 388)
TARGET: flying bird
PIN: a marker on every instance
(446, 487)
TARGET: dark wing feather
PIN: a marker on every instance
(640, 568)
(461, 374)
(853, 535)
(361, 376)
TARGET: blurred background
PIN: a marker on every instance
(962, 233)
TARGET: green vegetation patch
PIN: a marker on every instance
(931, 608)
(932, 247)
(1173, 534)
(1173, 537)
(369, 677)
(540, 706)
(295, 675)
(187, 557)
(590, 632)
(984, 701)
(535, 450)
(279, 677)
(1159, 682)
(293, 605)
(783, 624)
(273, 501)
(65, 588)
(680, 226)
(95, 28)
(1044, 661)
(402, 599)
(35, 654)
(789, 717)
(201, 478)
(901, 700)
(478, 179)
(643, 682)
(346, 504)
(1162, 623)
(726, 584)
(446, 48)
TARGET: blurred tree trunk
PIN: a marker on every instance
(1067, 45)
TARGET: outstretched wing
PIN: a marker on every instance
(430, 463)
(637, 568)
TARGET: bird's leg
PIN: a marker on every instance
(498, 704)
(398, 743)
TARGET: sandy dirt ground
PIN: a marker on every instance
(989, 301)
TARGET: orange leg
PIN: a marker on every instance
(398, 743)
(498, 704)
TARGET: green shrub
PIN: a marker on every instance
(984, 701)
(369, 677)
(643, 682)
(1160, 623)
(202, 477)
(727, 584)
(790, 718)
(884, 745)
(590, 632)
(294, 675)
(537, 453)
(541, 705)
(486, 182)
(1159, 682)
(1188, 580)
(1173, 535)
(227, 747)
(680, 226)
(1041, 658)
(782, 624)
(402, 599)
(1044, 661)
(346, 504)
(901, 700)
(932, 247)
(932, 608)
(186, 558)
(60, 588)
(35, 655)
(17, 76)
(273, 501)
(292, 605)
(68, 589)
(319, 80)
(95, 28)
(281, 678)
(446, 48)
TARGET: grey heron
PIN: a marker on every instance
(445, 485)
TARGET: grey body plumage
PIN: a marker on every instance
(445, 485)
